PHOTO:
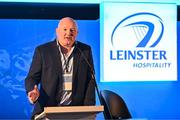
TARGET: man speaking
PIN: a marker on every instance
(62, 70)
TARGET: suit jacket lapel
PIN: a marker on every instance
(75, 62)
(58, 69)
(57, 58)
(76, 56)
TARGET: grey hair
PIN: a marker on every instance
(69, 19)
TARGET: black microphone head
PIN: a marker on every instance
(76, 42)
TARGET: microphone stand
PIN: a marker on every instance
(96, 86)
(92, 74)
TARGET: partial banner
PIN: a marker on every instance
(138, 41)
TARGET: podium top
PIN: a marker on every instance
(70, 109)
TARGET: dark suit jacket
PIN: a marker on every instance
(46, 69)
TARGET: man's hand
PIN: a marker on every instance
(33, 95)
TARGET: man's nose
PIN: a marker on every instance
(68, 32)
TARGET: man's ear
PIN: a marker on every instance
(57, 29)
(77, 32)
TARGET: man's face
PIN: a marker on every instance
(66, 32)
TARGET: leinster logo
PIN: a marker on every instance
(142, 29)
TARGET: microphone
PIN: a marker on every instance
(91, 70)
(90, 66)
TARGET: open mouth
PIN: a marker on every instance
(68, 38)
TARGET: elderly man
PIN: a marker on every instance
(63, 69)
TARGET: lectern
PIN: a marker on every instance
(70, 112)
